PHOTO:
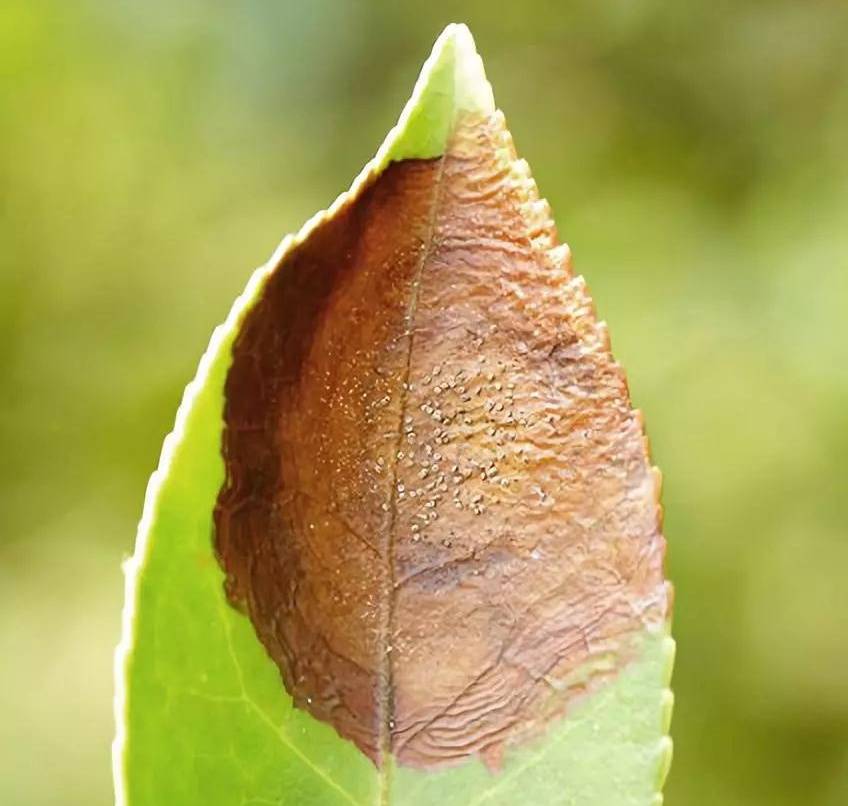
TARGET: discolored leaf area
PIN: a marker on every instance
(404, 545)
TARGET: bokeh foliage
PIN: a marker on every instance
(695, 155)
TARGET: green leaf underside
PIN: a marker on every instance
(201, 712)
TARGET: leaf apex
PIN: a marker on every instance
(472, 90)
(452, 83)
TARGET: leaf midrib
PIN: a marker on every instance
(385, 694)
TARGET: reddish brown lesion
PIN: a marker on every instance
(439, 505)
(312, 399)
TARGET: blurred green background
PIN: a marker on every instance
(695, 156)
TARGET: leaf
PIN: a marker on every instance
(403, 543)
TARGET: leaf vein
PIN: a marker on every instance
(254, 706)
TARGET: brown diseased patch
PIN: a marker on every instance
(439, 513)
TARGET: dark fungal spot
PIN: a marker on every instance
(438, 504)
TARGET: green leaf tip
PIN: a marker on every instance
(452, 82)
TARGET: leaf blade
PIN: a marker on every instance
(240, 699)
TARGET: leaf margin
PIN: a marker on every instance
(451, 81)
